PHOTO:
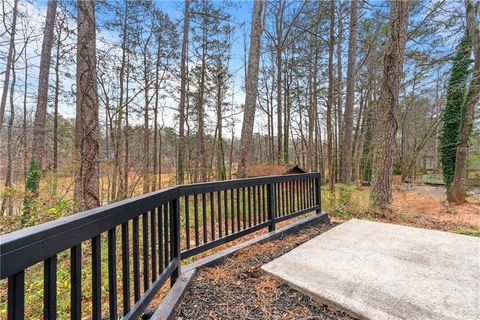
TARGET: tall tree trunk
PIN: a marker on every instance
(7, 201)
(346, 173)
(385, 124)
(117, 134)
(42, 98)
(331, 42)
(87, 126)
(183, 94)
(220, 157)
(201, 150)
(155, 121)
(313, 105)
(456, 191)
(146, 126)
(338, 134)
(279, 50)
(9, 63)
(55, 110)
(24, 122)
(251, 86)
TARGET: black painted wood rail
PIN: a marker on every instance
(152, 233)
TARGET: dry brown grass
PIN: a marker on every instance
(419, 206)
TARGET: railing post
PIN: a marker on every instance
(271, 206)
(318, 196)
(175, 237)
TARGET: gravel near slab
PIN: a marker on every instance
(238, 289)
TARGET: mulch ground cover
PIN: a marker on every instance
(238, 289)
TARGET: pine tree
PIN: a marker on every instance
(452, 115)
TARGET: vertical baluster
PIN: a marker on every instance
(284, 198)
(264, 203)
(146, 282)
(238, 210)
(255, 204)
(312, 193)
(292, 198)
(16, 296)
(271, 206)
(166, 234)
(50, 288)
(112, 273)
(318, 195)
(136, 260)
(96, 279)
(195, 209)
(219, 206)
(212, 215)
(249, 195)
(225, 202)
(232, 199)
(75, 282)
(160, 239)
(304, 183)
(175, 238)
(244, 206)
(295, 185)
(125, 268)
(204, 218)
(187, 221)
(153, 246)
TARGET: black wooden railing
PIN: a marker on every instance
(157, 230)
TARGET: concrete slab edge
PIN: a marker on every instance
(314, 297)
(166, 309)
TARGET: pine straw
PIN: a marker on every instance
(238, 289)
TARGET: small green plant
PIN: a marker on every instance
(31, 194)
(469, 232)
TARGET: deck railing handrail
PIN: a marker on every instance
(236, 207)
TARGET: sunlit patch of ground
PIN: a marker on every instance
(414, 205)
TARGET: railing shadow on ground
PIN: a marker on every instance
(156, 230)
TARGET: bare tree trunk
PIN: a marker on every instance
(155, 121)
(279, 61)
(313, 105)
(9, 63)
(330, 163)
(346, 173)
(123, 188)
(338, 134)
(55, 111)
(456, 191)
(86, 128)
(24, 122)
(146, 127)
(221, 170)
(201, 151)
(385, 123)
(42, 98)
(251, 87)
(360, 137)
(183, 94)
(7, 201)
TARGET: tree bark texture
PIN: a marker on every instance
(87, 126)
(346, 171)
(456, 191)
(258, 23)
(385, 123)
(42, 98)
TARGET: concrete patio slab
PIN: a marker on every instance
(381, 271)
